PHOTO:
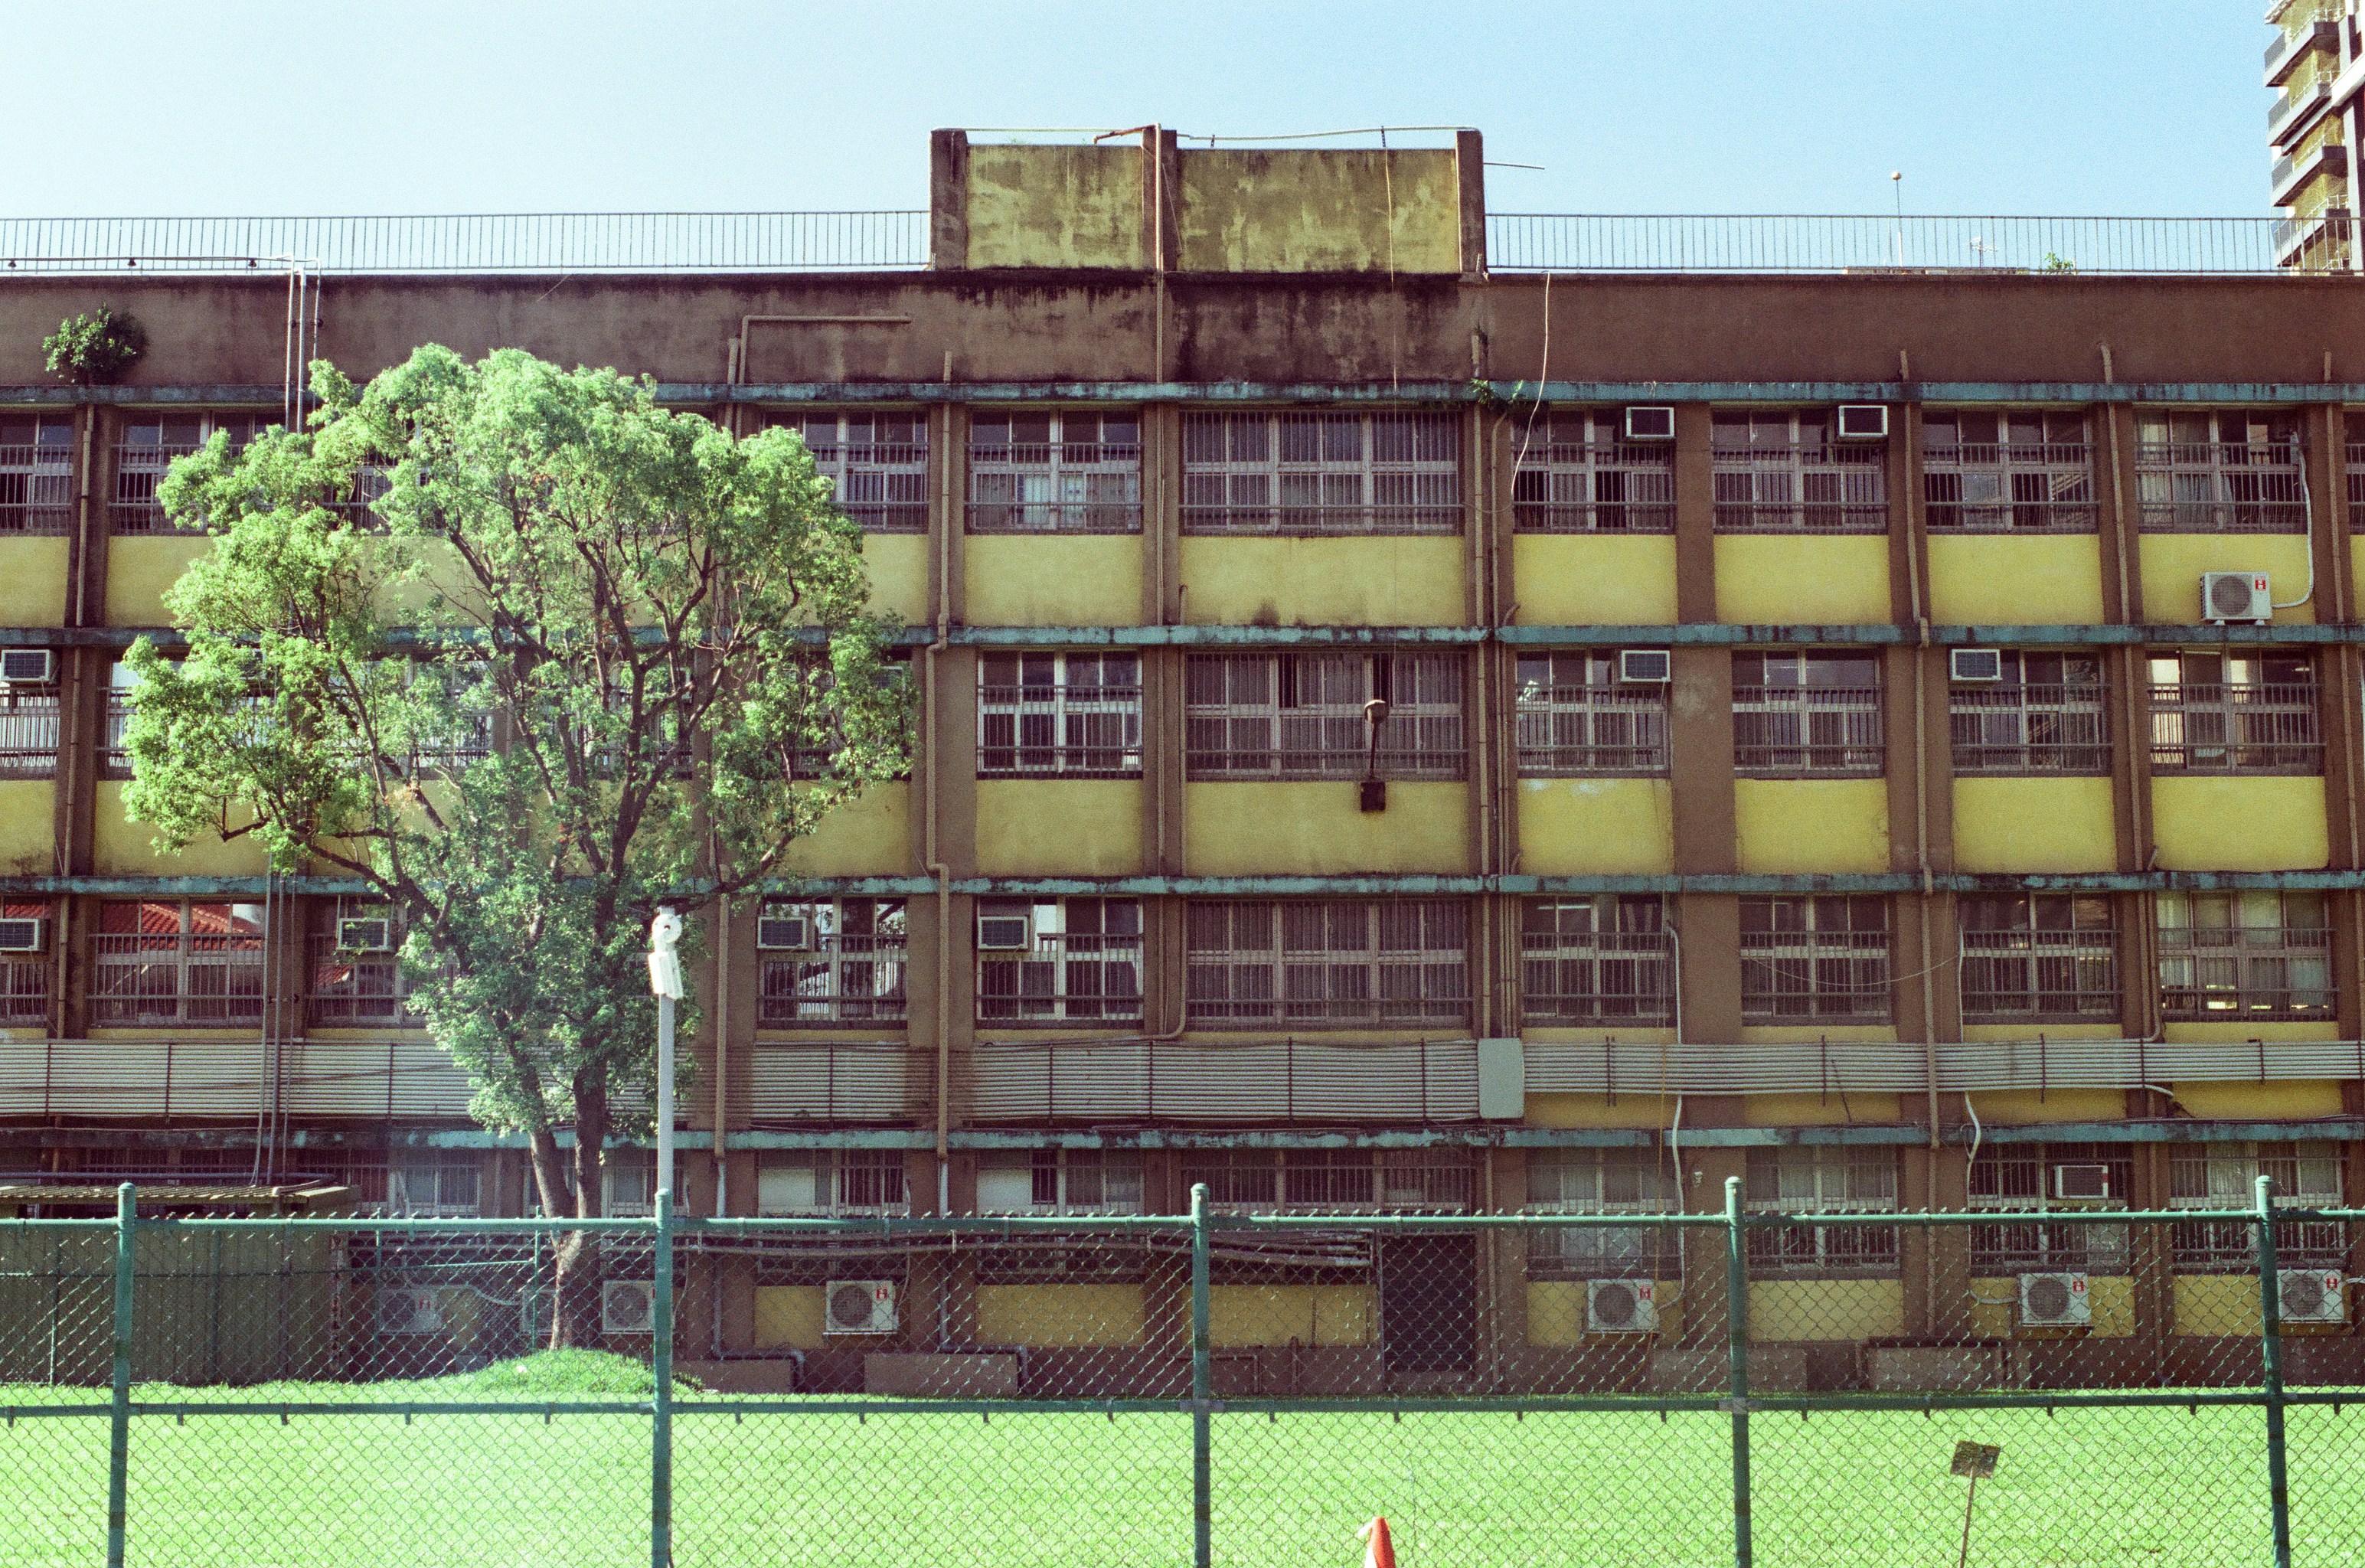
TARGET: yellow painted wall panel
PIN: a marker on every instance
(789, 1317)
(1594, 580)
(1301, 210)
(2035, 825)
(898, 565)
(1054, 206)
(27, 829)
(1811, 824)
(1572, 827)
(1639, 1109)
(1315, 828)
(1836, 1108)
(126, 848)
(1059, 1315)
(868, 836)
(1834, 579)
(2208, 824)
(1081, 827)
(2171, 565)
(1826, 1309)
(1985, 580)
(2216, 1304)
(139, 567)
(32, 582)
(2015, 1107)
(1383, 580)
(2295, 1099)
(1027, 579)
(1244, 1316)
(1807, 1033)
(1995, 1306)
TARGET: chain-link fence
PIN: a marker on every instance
(1240, 1387)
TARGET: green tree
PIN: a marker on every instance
(528, 656)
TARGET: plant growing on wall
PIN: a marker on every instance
(97, 347)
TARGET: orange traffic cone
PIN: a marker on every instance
(1378, 1550)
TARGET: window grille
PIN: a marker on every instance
(1060, 1181)
(2225, 1176)
(1606, 959)
(2219, 472)
(2038, 958)
(2355, 465)
(2007, 472)
(442, 1189)
(166, 961)
(24, 977)
(1578, 475)
(1433, 1180)
(1311, 474)
(1082, 963)
(1394, 963)
(1784, 472)
(36, 475)
(1806, 960)
(1301, 716)
(350, 987)
(29, 731)
(877, 464)
(843, 1182)
(1600, 1181)
(2231, 713)
(2007, 1177)
(148, 448)
(1577, 719)
(1806, 714)
(1055, 473)
(854, 973)
(1076, 714)
(2046, 716)
(1822, 1179)
(354, 503)
(2238, 956)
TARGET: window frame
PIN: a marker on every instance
(140, 466)
(179, 952)
(1561, 727)
(846, 1184)
(1067, 708)
(1583, 477)
(877, 959)
(2036, 1245)
(2189, 485)
(2223, 1176)
(1846, 1179)
(1109, 463)
(1582, 1182)
(1399, 483)
(1849, 949)
(1057, 1174)
(372, 978)
(2040, 484)
(2070, 715)
(1640, 939)
(1767, 486)
(1850, 719)
(1259, 985)
(2245, 949)
(2040, 949)
(887, 462)
(1427, 693)
(1056, 961)
(36, 478)
(2232, 713)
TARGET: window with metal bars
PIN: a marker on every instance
(1390, 963)
(358, 985)
(2048, 1180)
(1577, 719)
(1060, 1181)
(2225, 1176)
(29, 731)
(1809, 960)
(1822, 1180)
(1304, 716)
(2038, 958)
(1600, 1181)
(2046, 716)
(838, 1182)
(852, 973)
(2015, 472)
(1806, 714)
(1078, 960)
(2238, 956)
(1782, 472)
(1578, 475)
(2228, 714)
(1416, 1181)
(176, 961)
(1602, 958)
(2354, 454)
(877, 464)
(24, 977)
(1055, 472)
(2224, 472)
(149, 445)
(1290, 472)
(1072, 714)
(437, 1186)
(36, 475)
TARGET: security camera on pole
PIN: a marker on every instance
(666, 985)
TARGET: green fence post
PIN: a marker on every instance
(1736, 1317)
(1202, 1388)
(661, 1405)
(2270, 1350)
(118, 1434)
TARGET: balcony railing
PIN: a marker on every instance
(1807, 732)
(28, 733)
(2236, 973)
(2265, 729)
(1870, 242)
(2035, 729)
(36, 489)
(1613, 978)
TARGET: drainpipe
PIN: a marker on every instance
(934, 852)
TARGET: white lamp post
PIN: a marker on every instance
(665, 983)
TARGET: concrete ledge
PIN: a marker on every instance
(935, 1377)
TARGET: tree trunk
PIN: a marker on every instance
(576, 1271)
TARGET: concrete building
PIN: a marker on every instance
(2313, 67)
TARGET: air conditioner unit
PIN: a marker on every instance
(21, 936)
(27, 667)
(858, 1306)
(1621, 1306)
(2236, 595)
(1650, 423)
(2081, 1181)
(1975, 664)
(364, 933)
(1004, 933)
(1646, 666)
(1863, 421)
(409, 1309)
(628, 1306)
(785, 933)
(2311, 1295)
(2053, 1301)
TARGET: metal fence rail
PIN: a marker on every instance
(1790, 243)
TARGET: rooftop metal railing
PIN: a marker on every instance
(1870, 242)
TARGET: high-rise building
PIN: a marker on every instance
(2316, 70)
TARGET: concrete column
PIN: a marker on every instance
(948, 199)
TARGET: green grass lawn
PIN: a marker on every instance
(1858, 1487)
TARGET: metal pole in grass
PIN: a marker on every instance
(661, 1405)
(119, 1434)
(1202, 1386)
(2271, 1348)
(1736, 1317)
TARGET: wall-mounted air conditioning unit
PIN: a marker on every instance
(2236, 595)
(2311, 1295)
(27, 667)
(2053, 1301)
(1863, 421)
(364, 933)
(1005, 933)
(22, 934)
(628, 1306)
(1650, 422)
(1975, 664)
(409, 1309)
(785, 933)
(858, 1306)
(1646, 666)
(2081, 1179)
(1621, 1306)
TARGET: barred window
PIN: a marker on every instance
(356, 966)
(355, 501)
(2046, 716)
(1055, 472)
(29, 731)
(1321, 473)
(1600, 1181)
(1070, 961)
(2225, 1176)
(1806, 960)
(170, 961)
(1577, 719)
(845, 1181)
(24, 977)
(436, 1186)
(1605, 959)
(851, 971)
(1394, 963)
(36, 475)
(2238, 956)
(2355, 456)
(2019, 472)
(1302, 716)
(1060, 1181)
(2046, 1180)
(1331, 1180)
(1578, 475)
(2038, 958)
(1077, 714)
(1778, 472)
(877, 464)
(1806, 714)
(149, 446)
(2226, 712)
(1822, 1180)
(2228, 472)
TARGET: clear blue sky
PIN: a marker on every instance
(2136, 106)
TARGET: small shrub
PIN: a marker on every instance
(95, 347)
